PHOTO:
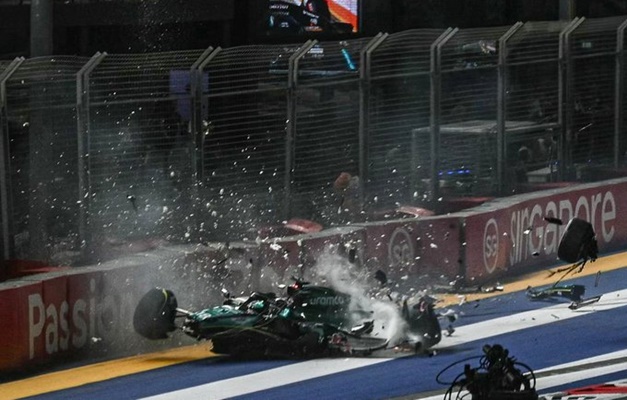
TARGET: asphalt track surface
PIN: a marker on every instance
(565, 348)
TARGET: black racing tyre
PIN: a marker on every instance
(576, 242)
(155, 313)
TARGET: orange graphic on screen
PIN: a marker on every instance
(344, 11)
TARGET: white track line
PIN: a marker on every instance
(529, 319)
(548, 382)
(321, 367)
(269, 379)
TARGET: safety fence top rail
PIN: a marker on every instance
(404, 53)
(123, 77)
(472, 48)
(331, 61)
(4, 64)
(535, 42)
(532, 59)
(595, 36)
(248, 68)
(44, 82)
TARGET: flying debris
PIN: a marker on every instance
(574, 293)
(578, 245)
(552, 220)
(575, 305)
(133, 202)
(459, 287)
(571, 292)
(451, 316)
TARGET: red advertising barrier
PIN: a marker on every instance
(414, 247)
(511, 235)
(49, 332)
(487, 246)
(83, 312)
(69, 313)
(84, 294)
(16, 315)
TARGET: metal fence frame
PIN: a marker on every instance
(5, 201)
(422, 183)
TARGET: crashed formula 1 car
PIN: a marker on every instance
(310, 321)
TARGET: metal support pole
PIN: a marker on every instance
(566, 103)
(364, 112)
(198, 129)
(41, 28)
(83, 126)
(501, 108)
(434, 122)
(7, 243)
(566, 10)
(197, 71)
(290, 126)
(619, 91)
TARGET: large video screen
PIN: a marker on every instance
(313, 16)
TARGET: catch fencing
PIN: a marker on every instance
(212, 144)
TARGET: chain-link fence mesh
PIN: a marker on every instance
(592, 53)
(243, 151)
(326, 141)
(4, 64)
(4, 194)
(217, 143)
(399, 104)
(140, 145)
(532, 92)
(468, 110)
(42, 143)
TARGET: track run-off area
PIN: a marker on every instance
(565, 348)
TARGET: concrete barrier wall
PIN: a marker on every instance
(86, 312)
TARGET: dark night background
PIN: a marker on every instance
(131, 26)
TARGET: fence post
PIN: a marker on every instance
(565, 104)
(364, 111)
(566, 9)
(619, 90)
(501, 106)
(434, 120)
(83, 125)
(196, 132)
(197, 70)
(6, 245)
(290, 126)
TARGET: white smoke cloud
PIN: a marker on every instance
(337, 272)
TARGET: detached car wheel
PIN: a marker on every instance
(155, 313)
